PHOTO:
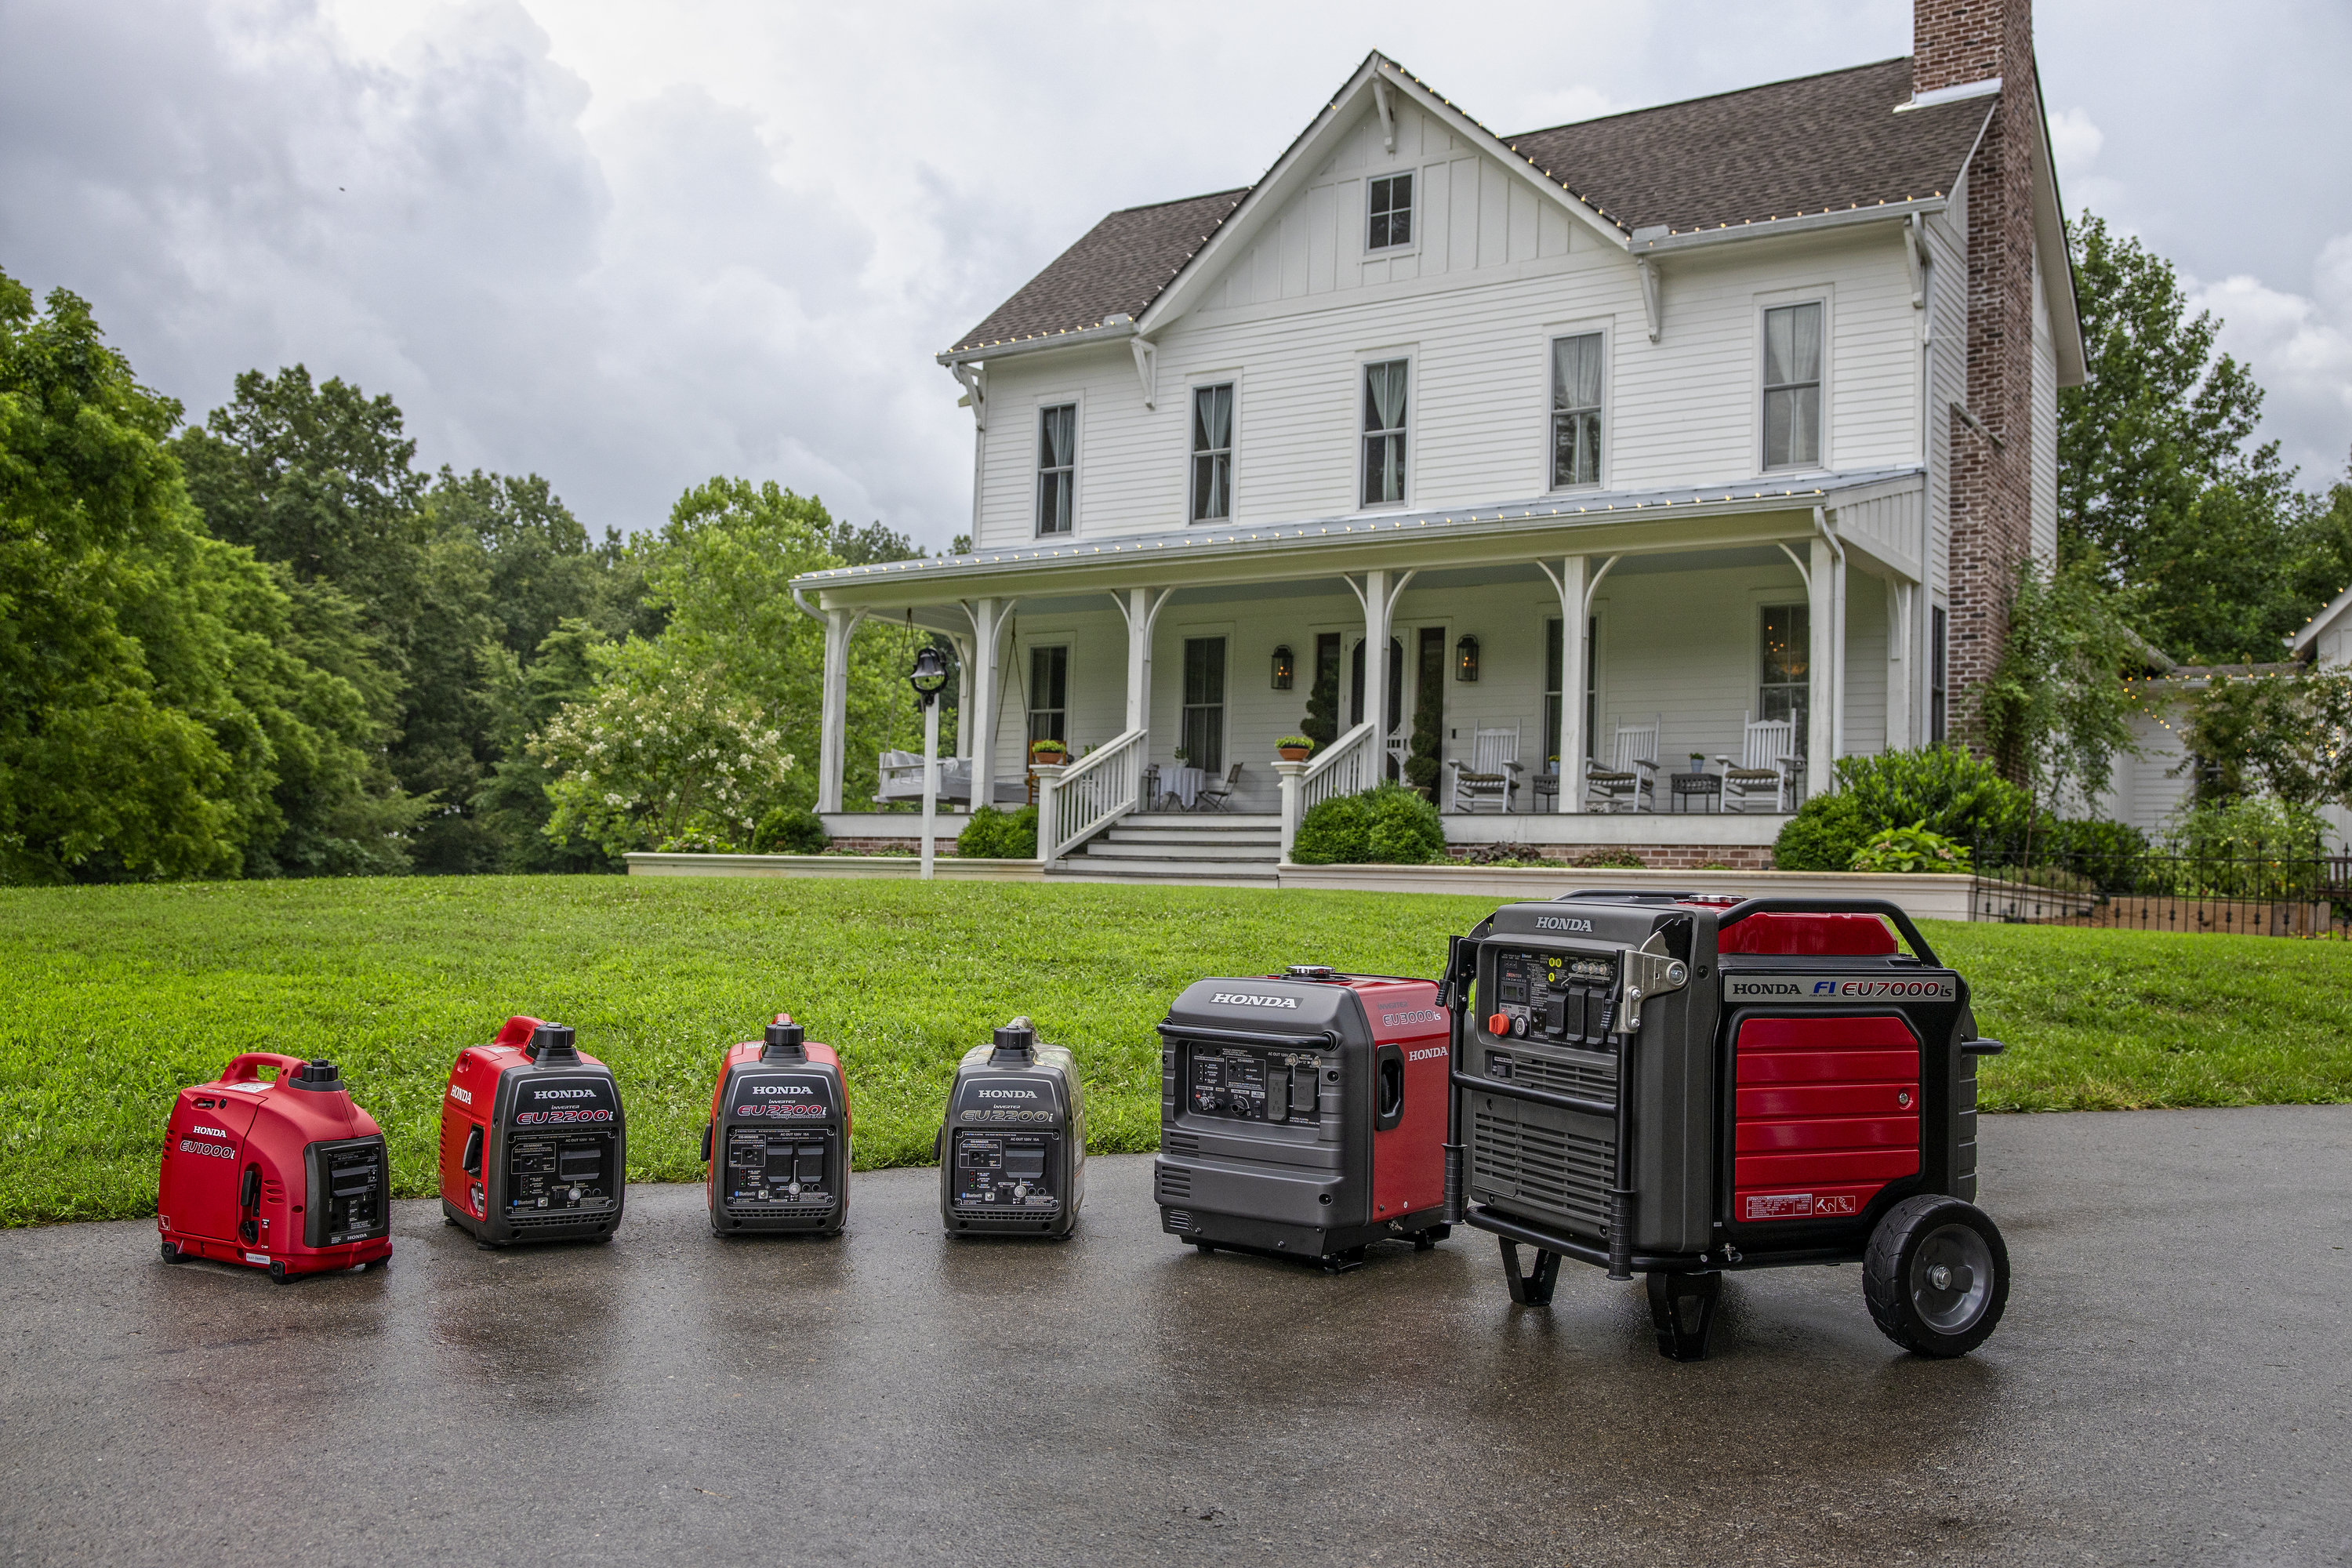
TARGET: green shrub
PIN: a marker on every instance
(1385, 826)
(1822, 836)
(1942, 790)
(1910, 849)
(994, 834)
(784, 832)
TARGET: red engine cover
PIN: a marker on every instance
(1409, 1159)
(242, 1122)
(1827, 1110)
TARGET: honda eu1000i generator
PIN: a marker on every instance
(778, 1139)
(1681, 1086)
(1012, 1153)
(285, 1174)
(533, 1146)
(1304, 1115)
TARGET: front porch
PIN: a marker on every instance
(1177, 690)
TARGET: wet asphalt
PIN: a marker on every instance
(2172, 1383)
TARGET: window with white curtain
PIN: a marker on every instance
(1391, 213)
(1058, 474)
(1212, 453)
(1576, 410)
(1384, 412)
(1792, 386)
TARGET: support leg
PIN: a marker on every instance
(1529, 1289)
(1682, 1309)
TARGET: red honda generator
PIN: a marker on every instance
(1684, 1086)
(285, 1174)
(1303, 1115)
(533, 1146)
(778, 1139)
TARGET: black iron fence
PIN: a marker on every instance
(2245, 889)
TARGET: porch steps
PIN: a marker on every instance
(1190, 846)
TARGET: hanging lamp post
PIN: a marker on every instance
(929, 674)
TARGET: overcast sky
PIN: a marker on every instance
(630, 246)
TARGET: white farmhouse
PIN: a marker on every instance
(1699, 441)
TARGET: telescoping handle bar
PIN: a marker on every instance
(1741, 910)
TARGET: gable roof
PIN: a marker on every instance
(1817, 144)
(2302, 644)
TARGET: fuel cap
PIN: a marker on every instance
(784, 1039)
(551, 1042)
(1310, 971)
(1016, 1041)
(316, 1076)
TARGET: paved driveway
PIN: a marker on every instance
(2171, 1384)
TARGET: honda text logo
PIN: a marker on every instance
(1561, 923)
(782, 1089)
(563, 1094)
(1836, 988)
(1422, 1056)
(1243, 999)
(209, 1131)
(1008, 1094)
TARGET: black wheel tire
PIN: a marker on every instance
(1935, 1276)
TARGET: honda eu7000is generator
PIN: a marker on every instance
(285, 1174)
(778, 1139)
(1013, 1152)
(533, 1147)
(1303, 1116)
(1681, 1087)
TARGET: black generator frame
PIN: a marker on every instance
(1684, 1307)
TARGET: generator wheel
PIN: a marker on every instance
(1937, 1276)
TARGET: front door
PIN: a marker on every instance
(1204, 704)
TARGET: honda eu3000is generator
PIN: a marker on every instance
(285, 1174)
(1013, 1152)
(778, 1139)
(533, 1146)
(1681, 1087)
(1303, 1115)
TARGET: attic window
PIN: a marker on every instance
(1391, 213)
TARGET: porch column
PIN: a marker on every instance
(982, 719)
(1142, 606)
(1572, 681)
(1821, 662)
(1899, 665)
(833, 706)
(1377, 605)
(963, 694)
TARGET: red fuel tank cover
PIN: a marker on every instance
(1810, 936)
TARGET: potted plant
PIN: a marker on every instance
(1048, 754)
(1182, 755)
(1698, 762)
(1293, 748)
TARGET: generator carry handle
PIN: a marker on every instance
(1791, 906)
(247, 1065)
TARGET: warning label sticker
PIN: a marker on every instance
(1780, 1205)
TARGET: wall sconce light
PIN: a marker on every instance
(1283, 668)
(1466, 659)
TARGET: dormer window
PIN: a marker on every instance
(1391, 224)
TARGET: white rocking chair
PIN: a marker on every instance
(1768, 765)
(1492, 772)
(1631, 783)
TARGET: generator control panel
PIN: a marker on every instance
(558, 1171)
(1009, 1174)
(1245, 1084)
(348, 1193)
(778, 1165)
(1567, 998)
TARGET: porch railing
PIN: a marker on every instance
(1349, 765)
(1090, 794)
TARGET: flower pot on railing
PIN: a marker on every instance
(1293, 748)
(1045, 756)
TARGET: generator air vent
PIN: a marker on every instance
(1176, 1219)
(1175, 1182)
(1180, 1143)
(1559, 1172)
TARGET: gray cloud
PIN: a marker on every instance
(630, 249)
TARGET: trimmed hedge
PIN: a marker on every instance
(994, 834)
(1385, 826)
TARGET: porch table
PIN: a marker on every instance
(1182, 783)
(1689, 787)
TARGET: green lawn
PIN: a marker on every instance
(116, 996)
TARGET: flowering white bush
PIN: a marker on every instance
(656, 754)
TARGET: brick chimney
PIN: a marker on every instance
(1957, 43)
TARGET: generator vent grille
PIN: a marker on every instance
(1180, 1143)
(570, 1218)
(1176, 1219)
(1539, 1168)
(1175, 1182)
(1560, 1078)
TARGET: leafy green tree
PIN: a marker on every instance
(512, 804)
(158, 715)
(2286, 736)
(2057, 710)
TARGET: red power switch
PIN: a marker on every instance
(1500, 1023)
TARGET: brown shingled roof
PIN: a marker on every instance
(1817, 143)
(1120, 266)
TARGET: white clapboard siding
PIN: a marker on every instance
(1866, 665)
(1681, 411)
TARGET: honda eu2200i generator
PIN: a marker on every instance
(778, 1140)
(1012, 1153)
(533, 1147)
(1681, 1087)
(285, 1174)
(1303, 1116)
